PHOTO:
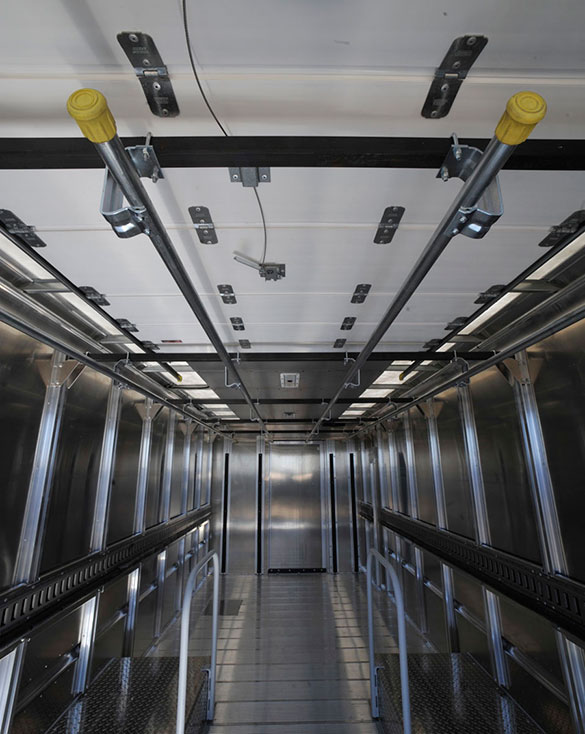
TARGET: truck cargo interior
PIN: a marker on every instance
(292, 375)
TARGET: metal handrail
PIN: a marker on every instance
(397, 589)
(183, 650)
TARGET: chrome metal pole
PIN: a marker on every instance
(184, 644)
(495, 156)
(373, 555)
(124, 173)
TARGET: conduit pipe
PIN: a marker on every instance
(523, 111)
(90, 110)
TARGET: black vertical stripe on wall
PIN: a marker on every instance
(226, 480)
(333, 513)
(259, 519)
(354, 528)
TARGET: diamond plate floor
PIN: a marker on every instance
(294, 660)
(450, 694)
(138, 696)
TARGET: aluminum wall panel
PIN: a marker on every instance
(427, 507)
(510, 507)
(453, 460)
(123, 492)
(73, 490)
(295, 507)
(558, 370)
(214, 479)
(194, 458)
(22, 393)
(156, 468)
(401, 471)
(242, 514)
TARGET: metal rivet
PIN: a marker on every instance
(133, 38)
(445, 88)
(198, 209)
(456, 64)
(209, 242)
(145, 62)
(264, 177)
(235, 176)
(471, 40)
(434, 113)
(156, 86)
(165, 113)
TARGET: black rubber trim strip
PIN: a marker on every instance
(354, 527)
(288, 151)
(557, 598)
(26, 607)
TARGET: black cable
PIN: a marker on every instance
(263, 225)
(192, 60)
(215, 117)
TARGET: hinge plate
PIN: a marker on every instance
(204, 225)
(18, 228)
(566, 230)
(389, 224)
(449, 76)
(151, 71)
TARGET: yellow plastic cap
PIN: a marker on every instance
(89, 109)
(523, 111)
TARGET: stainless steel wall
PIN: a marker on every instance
(22, 394)
(242, 515)
(295, 519)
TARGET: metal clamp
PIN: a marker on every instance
(204, 225)
(346, 360)
(475, 221)
(250, 176)
(129, 221)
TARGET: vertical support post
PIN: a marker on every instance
(187, 480)
(30, 544)
(410, 467)
(431, 410)
(165, 503)
(130, 628)
(324, 503)
(87, 627)
(148, 413)
(106, 469)
(10, 670)
(573, 664)
(555, 560)
(491, 601)
(161, 563)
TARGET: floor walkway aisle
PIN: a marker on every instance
(292, 653)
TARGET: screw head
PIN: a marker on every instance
(145, 62)
(165, 113)
(133, 38)
(456, 64)
(444, 88)
(264, 177)
(434, 113)
(235, 176)
(156, 86)
(471, 41)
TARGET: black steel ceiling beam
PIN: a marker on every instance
(557, 598)
(293, 152)
(288, 401)
(295, 356)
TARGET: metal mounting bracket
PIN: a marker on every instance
(474, 222)
(272, 271)
(361, 293)
(346, 360)
(238, 385)
(17, 227)
(250, 176)
(94, 296)
(203, 224)
(449, 76)
(389, 224)
(151, 72)
(129, 221)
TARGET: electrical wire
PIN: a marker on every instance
(216, 118)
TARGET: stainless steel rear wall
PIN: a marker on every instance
(500, 460)
(87, 464)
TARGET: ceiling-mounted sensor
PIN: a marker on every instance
(268, 271)
(290, 379)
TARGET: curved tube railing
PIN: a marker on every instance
(184, 645)
(373, 555)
